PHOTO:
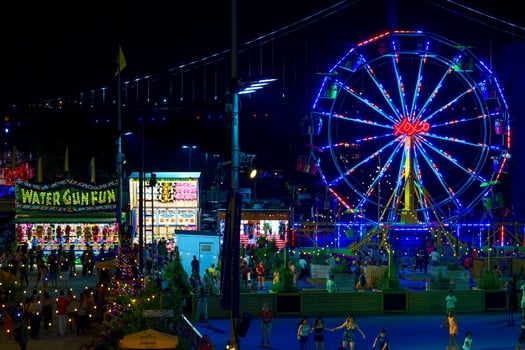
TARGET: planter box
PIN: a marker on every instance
(469, 301)
(496, 299)
(320, 302)
(319, 271)
(288, 304)
(344, 282)
(394, 302)
(460, 278)
(431, 286)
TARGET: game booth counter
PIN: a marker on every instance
(67, 213)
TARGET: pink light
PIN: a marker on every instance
(408, 128)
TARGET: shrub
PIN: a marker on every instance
(389, 282)
(286, 282)
(442, 277)
(489, 280)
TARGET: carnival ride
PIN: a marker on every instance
(411, 131)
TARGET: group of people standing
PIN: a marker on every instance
(317, 328)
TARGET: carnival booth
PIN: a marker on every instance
(67, 213)
(170, 204)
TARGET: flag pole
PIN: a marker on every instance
(121, 62)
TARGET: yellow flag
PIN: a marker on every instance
(39, 171)
(66, 160)
(121, 61)
(92, 173)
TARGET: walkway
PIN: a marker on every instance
(492, 331)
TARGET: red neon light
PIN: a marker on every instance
(408, 128)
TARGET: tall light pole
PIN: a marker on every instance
(141, 197)
(119, 153)
(190, 148)
(233, 229)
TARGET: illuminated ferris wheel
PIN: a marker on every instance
(413, 128)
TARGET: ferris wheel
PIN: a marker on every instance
(412, 128)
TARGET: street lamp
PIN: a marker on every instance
(190, 148)
(231, 244)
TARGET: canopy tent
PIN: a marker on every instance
(149, 339)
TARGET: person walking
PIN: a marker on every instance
(318, 330)
(450, 301)
(452, 324)
(467, 343)
(83, 311)
(303, 333)
(260, 270)
(381, 341)
(21, 334)
(266, 316)
(47, 312)
(331, 287)
(521, 337)
(195, 265)
(62, 303)
(350, 327)
(522, 303)
(202, 306)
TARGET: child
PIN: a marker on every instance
(452, 324)
(467, 343)
(381, 340)
(450, 301)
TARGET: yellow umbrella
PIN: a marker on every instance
(149, 339)
(107, 264)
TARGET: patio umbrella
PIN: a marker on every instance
(149, 339)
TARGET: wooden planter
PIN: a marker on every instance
(394, 302)
(288, 303)
(496, 299)
(319, 271)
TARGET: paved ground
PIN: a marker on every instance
(492, 331)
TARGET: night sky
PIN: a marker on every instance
(59, 49)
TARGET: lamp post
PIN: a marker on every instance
(190, 148)
(141, 197)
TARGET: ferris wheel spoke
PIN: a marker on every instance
(376, 108)
(464, 120)
(364, 161)
(383, 169)
(447, 157)
(380, 87)
(426, 199)
(400, 87)
(419, 80)
(361, 121)
(437, 88)
(395, 197)
(449, 190)
(481, 146)
(450, 103)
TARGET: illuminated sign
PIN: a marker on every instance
(66, 196)
(410, 128)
